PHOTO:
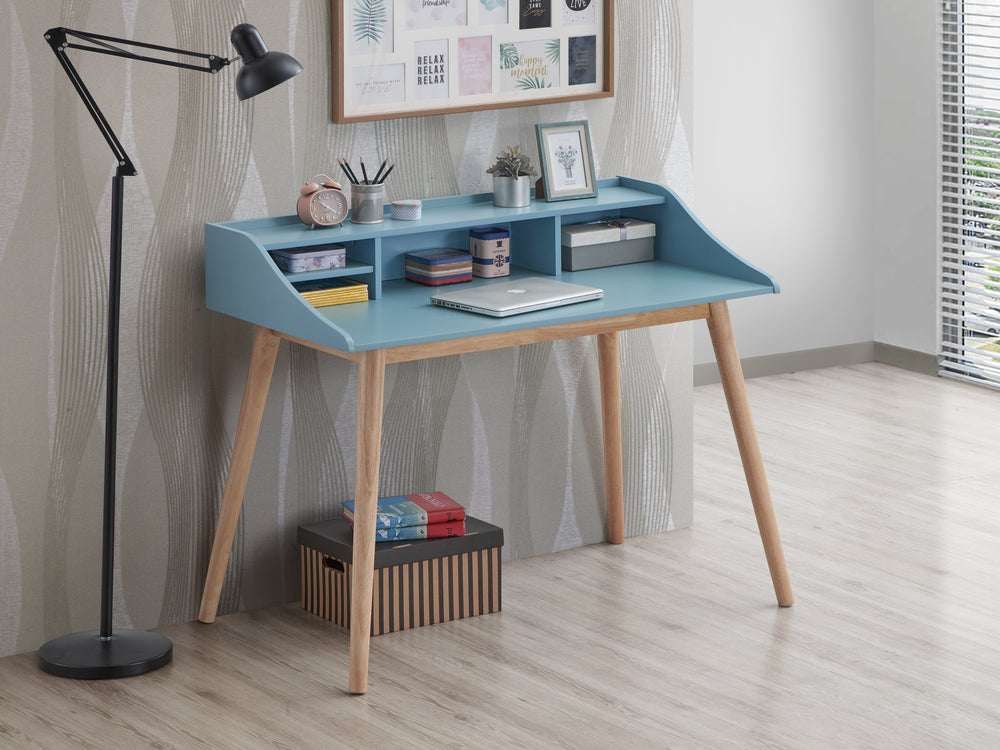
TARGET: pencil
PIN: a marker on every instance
(379, 173)
(345, 170)
(386, 174)
(350, 172)
(364, 173)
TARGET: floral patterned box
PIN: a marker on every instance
(313, 258)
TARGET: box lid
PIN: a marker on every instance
(489, 233)
(311, 251)
(439, 256)
(335, 539)
(615, 229)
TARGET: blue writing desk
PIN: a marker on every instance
(691, 277)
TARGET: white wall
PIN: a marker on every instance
(805, 166)
(907, 152)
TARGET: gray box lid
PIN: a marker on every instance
(335, 538)
(607, 230)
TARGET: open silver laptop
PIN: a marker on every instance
(503, 298)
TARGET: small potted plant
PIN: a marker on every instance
(511, 186)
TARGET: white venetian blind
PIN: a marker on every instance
(970, 227)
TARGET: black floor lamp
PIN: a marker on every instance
(107, 653)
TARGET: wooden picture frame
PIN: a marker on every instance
(566, 160)
(409, 58)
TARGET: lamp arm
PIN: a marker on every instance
(215, 62)
(58, 39)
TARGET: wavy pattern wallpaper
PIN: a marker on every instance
(514, 433)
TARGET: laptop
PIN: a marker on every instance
(503, 298)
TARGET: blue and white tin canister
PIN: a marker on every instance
(490, 250)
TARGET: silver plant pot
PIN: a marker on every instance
(511, 193)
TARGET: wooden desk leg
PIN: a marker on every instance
(608, 358)
(371, 382)
(746, 438)
(265, 350)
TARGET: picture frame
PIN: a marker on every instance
(410, 58)
(566, 160)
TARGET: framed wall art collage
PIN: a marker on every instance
(405, 58)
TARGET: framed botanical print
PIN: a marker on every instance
(406, 58)
(567, 160)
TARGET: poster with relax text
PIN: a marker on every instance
(402, 58)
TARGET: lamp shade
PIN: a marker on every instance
(262, 69)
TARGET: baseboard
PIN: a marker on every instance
(831, 356)
(778, 364)
(906, 359)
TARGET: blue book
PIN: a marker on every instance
(421, 509)
(430, 531)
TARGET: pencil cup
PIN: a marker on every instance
(366, 203)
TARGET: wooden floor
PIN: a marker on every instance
(887, 490)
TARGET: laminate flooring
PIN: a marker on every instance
(885, 485)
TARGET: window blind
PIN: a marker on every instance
(970, 191)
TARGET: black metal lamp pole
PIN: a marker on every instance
(107, 653)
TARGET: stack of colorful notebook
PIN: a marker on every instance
(437, 267)
(425, 515)
(337, 291)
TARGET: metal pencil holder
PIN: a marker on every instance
(367, 203)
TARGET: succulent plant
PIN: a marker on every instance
(512, 163)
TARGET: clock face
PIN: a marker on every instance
(328, 207)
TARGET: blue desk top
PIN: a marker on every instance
(405, 315)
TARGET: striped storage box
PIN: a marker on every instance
(416, 583)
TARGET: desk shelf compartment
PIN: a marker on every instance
(531, 243)
(360, 264)
(352, 268)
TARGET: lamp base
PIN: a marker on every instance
(87, 656)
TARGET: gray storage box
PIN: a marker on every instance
(611, 242)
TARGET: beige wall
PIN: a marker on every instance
(514, 434)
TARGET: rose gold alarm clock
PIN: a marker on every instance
(322, 204)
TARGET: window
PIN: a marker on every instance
(970, 190)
